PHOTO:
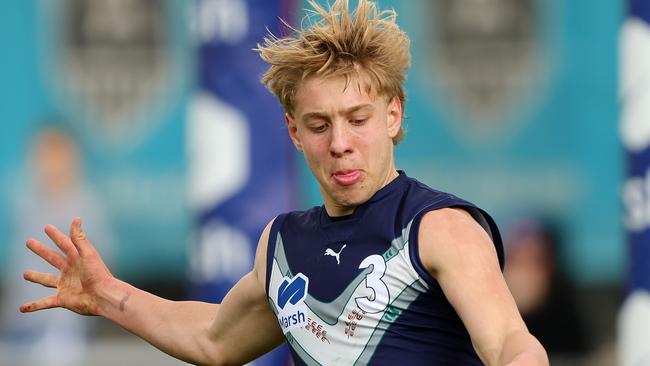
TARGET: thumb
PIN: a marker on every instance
(78, 236)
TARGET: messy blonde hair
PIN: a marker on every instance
(366, 44)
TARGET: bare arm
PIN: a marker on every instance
(238, 330)
(460, 255)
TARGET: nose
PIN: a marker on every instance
(340, 143)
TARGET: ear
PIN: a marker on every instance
(293, 131)
(394, 117)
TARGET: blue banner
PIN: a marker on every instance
(635, 134)
(634, 317)
(239, 155)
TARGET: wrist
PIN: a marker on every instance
(111, 295)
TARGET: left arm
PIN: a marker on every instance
(460, 255)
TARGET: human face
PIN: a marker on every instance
(346, 135)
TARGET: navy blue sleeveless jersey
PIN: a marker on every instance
(353, 291)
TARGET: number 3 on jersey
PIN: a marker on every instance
(381, 298)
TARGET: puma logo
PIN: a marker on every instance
(334, 254)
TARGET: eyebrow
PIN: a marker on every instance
(319, 115)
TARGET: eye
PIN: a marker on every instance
(358, 121)
(318, 128)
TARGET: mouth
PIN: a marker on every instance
(347, 177)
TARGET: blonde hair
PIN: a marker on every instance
(365, 43)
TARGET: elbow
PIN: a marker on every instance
(212, 360)
(522, 348)
(210, 351)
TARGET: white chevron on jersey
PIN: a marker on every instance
(336, 347)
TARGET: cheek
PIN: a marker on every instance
(315, 143)
(377, 146)
(315, 151)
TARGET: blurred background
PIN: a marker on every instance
(147, 119)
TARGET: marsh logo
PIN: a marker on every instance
(291, 298)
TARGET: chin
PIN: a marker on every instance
(351, 198)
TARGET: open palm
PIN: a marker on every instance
(81, 272)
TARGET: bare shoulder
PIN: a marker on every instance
(259, 268)
(446, 236)
(460, 254)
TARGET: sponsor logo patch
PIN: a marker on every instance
(291, 302)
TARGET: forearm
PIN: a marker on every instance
(180, 329)
(520, 348)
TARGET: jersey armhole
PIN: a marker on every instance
(270, 248)
(483, 219)
(414, 249)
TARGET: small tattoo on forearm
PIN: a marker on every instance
(123, 302)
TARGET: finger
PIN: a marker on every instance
(50, 255)
(45, 279)
(42, 304)
(61, 240)
(79, 239)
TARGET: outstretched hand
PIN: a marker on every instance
(81, 272)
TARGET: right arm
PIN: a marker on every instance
(236, 331)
